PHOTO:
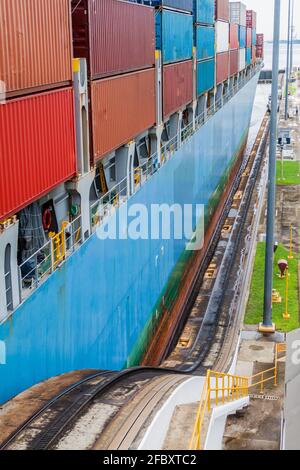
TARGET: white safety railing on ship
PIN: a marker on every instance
(37, 268)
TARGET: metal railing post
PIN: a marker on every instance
(209, 390)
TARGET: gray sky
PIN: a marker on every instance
(265, 9)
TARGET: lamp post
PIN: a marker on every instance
(292, 39)
(287, 73)
(267, 326)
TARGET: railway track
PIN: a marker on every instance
(137, 390)
(211, 313)
(113, 407)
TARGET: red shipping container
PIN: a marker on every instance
(177, 86)
(259, 39)
(222, 10)
(251, 19)
(234, 62)
(35, 45)
(222, 67)
(234, 36)
(249, 37)
(259, 52)
(114, 36)
(37, 147)
(122, 107)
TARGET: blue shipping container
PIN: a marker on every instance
(254, 37)
(204, 11)
(205, 42)
(205, 76)
(242, 36)
(184, 5)
(248, 56)
(174, 36)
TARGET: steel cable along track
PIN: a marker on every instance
(74, 400)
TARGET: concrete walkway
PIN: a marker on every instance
(259, 426)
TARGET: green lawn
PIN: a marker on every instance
(291, 170)
(255, 304)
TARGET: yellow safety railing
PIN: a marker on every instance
(58, 246)
(271, 374)
(222, 388)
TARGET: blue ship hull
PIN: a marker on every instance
(95, 310)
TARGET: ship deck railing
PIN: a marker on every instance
(40, 265)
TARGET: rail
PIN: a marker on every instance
(36, 268)
(220, 388)
(271, 374)
(49, 257)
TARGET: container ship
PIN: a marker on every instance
(105, 105)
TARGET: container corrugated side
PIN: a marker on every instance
(242, 59)
(122, 107)
(259, 52)
(37, 147)
(222, 10)
(183, 5)
(234, 62)
(35, 45)
(242, 37)
(248, 55)
(253, 54)
(259, 46)
(205, 76)
(177, 86)
(174, 35)
(249, 37)
(233, 36)
(204, 11)
(222, 36)
(116, 37)
(238, 13)
(222, 69)
(259, 39)
(205, 42)
(253, 37)
(251, 18)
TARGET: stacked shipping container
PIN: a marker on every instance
(37, 141)
(222, 40)
(238, 17)
(251, 23)
(174, 38)
(259, 46)
(204, 16)
(234, 49)
(118, 41)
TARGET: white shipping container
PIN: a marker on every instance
(222, 36)
(242, 59)
(238, 13)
